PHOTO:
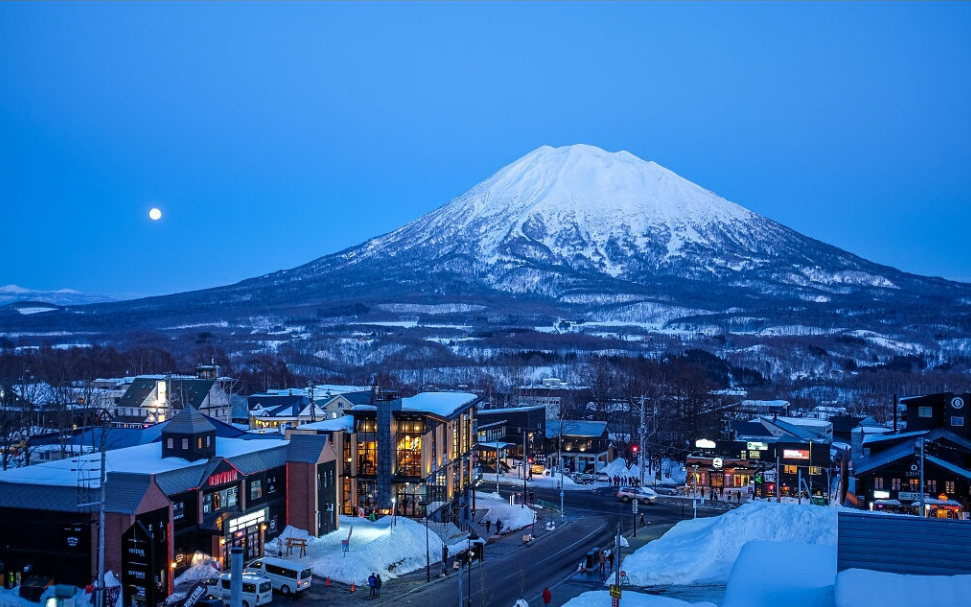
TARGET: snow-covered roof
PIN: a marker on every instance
(140, 459)
(337, 424)
(510, 410)
(575, 428)
(442, 404)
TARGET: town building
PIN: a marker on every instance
(501, 433)
(585, 445)
(192, 491)
(150, 399)
(413, 455)
(929, 463)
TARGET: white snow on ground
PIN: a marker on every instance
(394, 549)
(704, 550)
(629, 599)
(743, 548)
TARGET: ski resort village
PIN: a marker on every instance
(170, 487)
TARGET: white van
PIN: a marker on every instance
(257, 589)
(287, 576)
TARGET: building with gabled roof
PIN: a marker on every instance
(150, 399)
(191, 491)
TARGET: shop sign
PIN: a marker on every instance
(881, 495)
(222, 478)
(795, 454)
(717, 462)
(757, 446)
(910, 496)
(704, 443)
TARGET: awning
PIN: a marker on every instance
(886, 502)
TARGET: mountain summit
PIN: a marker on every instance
(562, 220)
(572, 237)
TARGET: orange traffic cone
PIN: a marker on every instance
(327, 583)
(353, 587)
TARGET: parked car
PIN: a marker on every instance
(669, 490)
(641, 495)
(582, 479)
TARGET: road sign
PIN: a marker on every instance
(615, 591)
(634, 506)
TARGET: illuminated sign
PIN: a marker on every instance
(757, 446)
(241, 522)
(704, 443)
(910, 496)
(221, 478)
(795, 454)
(881, 495)
(717, 462)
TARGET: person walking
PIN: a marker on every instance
(499, 526)
(377, 585)
(603, 565)
(488, 527)
(547, 596)
(372, 585)
(444, 559)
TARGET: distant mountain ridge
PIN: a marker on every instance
(61, 297)
(571, 239)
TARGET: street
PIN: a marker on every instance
(512, 569)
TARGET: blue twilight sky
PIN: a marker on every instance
(272, 134)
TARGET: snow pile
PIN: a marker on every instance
(392, 548)
(599, 598)
(704, 550)
(491, 507)
(202, 567)
(810, 584)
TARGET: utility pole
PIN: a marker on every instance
(525, 469)
(101, 530)
(640, 449)
(921, 440)
(559, 459)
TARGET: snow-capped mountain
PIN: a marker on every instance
(571, 240)
(582, 213)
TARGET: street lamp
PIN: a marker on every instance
(394, 511)
(472, 538)
(694, 496)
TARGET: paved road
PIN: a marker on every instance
(512, 570)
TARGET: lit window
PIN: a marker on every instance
(925, 412)
(185, 444)
(895, 484)
(878, 482)
(957, 421)
(170, 442)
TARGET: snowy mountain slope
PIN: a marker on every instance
(560, 238)
(561, 219)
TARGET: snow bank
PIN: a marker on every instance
(704, 550)
(757, 578)
(630, 599)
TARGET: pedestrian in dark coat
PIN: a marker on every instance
(372, 586)
(499, 527)
(610, 559)
(488, 526)
(547, 596)
(377, 585)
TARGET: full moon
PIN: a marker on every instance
(155, 214)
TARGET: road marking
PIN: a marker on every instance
(574, 545)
